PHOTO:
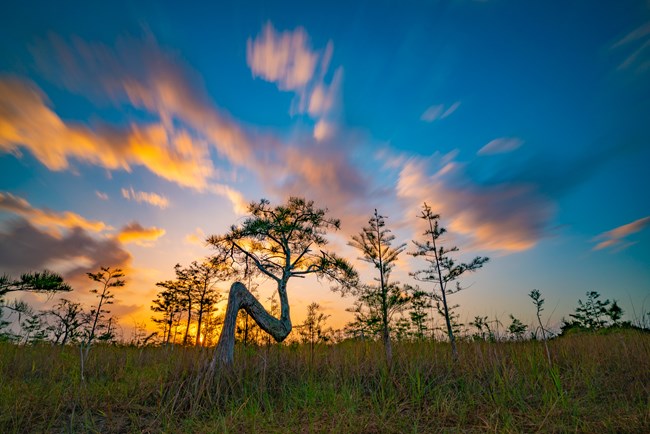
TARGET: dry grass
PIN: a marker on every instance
(598, 383)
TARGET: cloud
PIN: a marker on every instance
(50, 219)
(149, 77)
(142, 74)
(616, 238)
(27, 121)
(134, 232)
(197, 237)
(284, 58)
(287, 59)
(439, 111)
(24, 247)
(508, 217)
(239, 203)
(101, 195)
(501, 146)
(153, 199)
(637, 40)
(636, 34)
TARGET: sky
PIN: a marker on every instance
(131, 131)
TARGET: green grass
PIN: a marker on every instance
(598, 383)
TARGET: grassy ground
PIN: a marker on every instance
(597, 384)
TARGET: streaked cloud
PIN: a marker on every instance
(134, 232)
(439, 111)
(508, 217)
(638, 41)
(617, 237)
(501, 146)
(52, 220)
(153, 199)
(284, 58)
(101, 195)
(27, 121)
(287, 59)
(140, 73)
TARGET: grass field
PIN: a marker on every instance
(598, 383)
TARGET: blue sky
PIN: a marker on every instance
(130, 132)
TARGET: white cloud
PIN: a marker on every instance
(439, 111)
(153, 199)
(282, 57)
(501, 146)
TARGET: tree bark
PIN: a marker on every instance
(241, 298)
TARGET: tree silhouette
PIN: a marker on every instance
(591, 314)
(281, 242)
(442, 268)
(67, 321)
(384, 299)
(44, 281)
(107, 278)
(168, 304)
(420, 304)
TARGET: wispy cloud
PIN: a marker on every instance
(141, 74)
(197, 237)
(439, 111)
(507, 217)
(282, 57)
(638, 40)
(101, 195)
(153, 199)
(287, 59)
(501, 146)
(52, 220)
(617, 237)
(134, 232)
(27, 121)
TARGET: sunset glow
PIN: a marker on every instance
(129, 137)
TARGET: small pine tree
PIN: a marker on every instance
(442, 268)
(383, 299)
(592, 313)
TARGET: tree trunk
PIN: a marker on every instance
(450, 330)
(241, 298)
(198, 326)
(189, 320)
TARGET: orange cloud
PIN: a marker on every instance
(26, 121)
(142, 73)
(142, 196)
(134, 232)
(197, 237)
(616, 237)
(239, 203)
(50, 219)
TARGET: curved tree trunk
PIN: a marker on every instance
(241, 298)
